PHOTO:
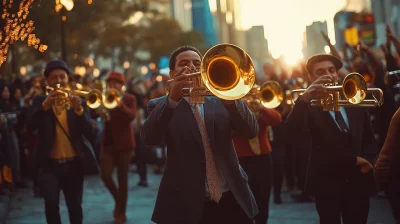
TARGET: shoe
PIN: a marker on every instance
(116, 212)
(143, 183)
(120, 219)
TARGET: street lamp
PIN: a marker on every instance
(60, 6)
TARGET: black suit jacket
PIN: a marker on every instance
(334, 154)
(181, 194)
(45, 122)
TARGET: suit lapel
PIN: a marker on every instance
(209, 113)
(324, 118)
(353, 121)
(190, 121)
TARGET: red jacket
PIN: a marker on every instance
(121, 123)
(270, 117)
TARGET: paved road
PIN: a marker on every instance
(98, 206)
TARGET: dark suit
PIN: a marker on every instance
(181, 195)
(56, 176)
(333, 176)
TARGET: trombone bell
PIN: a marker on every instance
(227, 71)
(271, 94)
(94, 99)
(112, 98)
(223, 73)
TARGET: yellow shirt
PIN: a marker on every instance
(62, 147)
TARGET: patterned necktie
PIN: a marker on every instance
(211, 170)
(339, 119)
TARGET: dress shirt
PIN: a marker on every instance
(344, 115)
(223, 183)
(62, 147)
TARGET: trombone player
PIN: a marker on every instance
(342, 148)
(203, 181)
(117, 142)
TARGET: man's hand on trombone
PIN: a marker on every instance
(179, 82)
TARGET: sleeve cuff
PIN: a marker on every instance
(172, 104)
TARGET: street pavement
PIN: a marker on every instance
(98, 206)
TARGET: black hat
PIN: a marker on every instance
(55, 64)
(323, 57)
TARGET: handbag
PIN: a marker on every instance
(89, 161)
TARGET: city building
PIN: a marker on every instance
(195, 15)
(315, 43)
(386, 12)
(182, 12)
(203, 21)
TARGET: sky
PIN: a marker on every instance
(285, 22)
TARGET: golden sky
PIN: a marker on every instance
(285, 21)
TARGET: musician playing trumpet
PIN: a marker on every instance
(60, 147)
(342, 148)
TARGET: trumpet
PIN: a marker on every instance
(354, 90)
(226, 71)
(268, 95)
(94, 98)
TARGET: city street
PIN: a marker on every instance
(98, 206)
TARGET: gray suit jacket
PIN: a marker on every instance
(181, 194)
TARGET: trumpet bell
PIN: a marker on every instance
(94, 99)
(112, 98)
(227, 71)
(354, 88)
(271, 94)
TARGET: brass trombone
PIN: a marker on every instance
(354, 90)
(226, 71)
(268, 95)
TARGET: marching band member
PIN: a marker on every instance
(117, 144)
(255, 158)
(202, 181)
(60, 145)
(342, 148)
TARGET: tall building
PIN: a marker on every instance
(315, 42)
(257, 48)
(203, 21)
(195, 15)
(182, 12)
(386, 12)
(227, 18)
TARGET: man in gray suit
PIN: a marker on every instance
(203, 181)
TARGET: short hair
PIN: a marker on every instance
(172, 59)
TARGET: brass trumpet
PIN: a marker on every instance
(94, 98)
(226, 71)
(354, 90)
(268, 95)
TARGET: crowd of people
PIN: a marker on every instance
(292, 145)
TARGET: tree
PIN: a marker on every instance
(103, 26)
(15, 26)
